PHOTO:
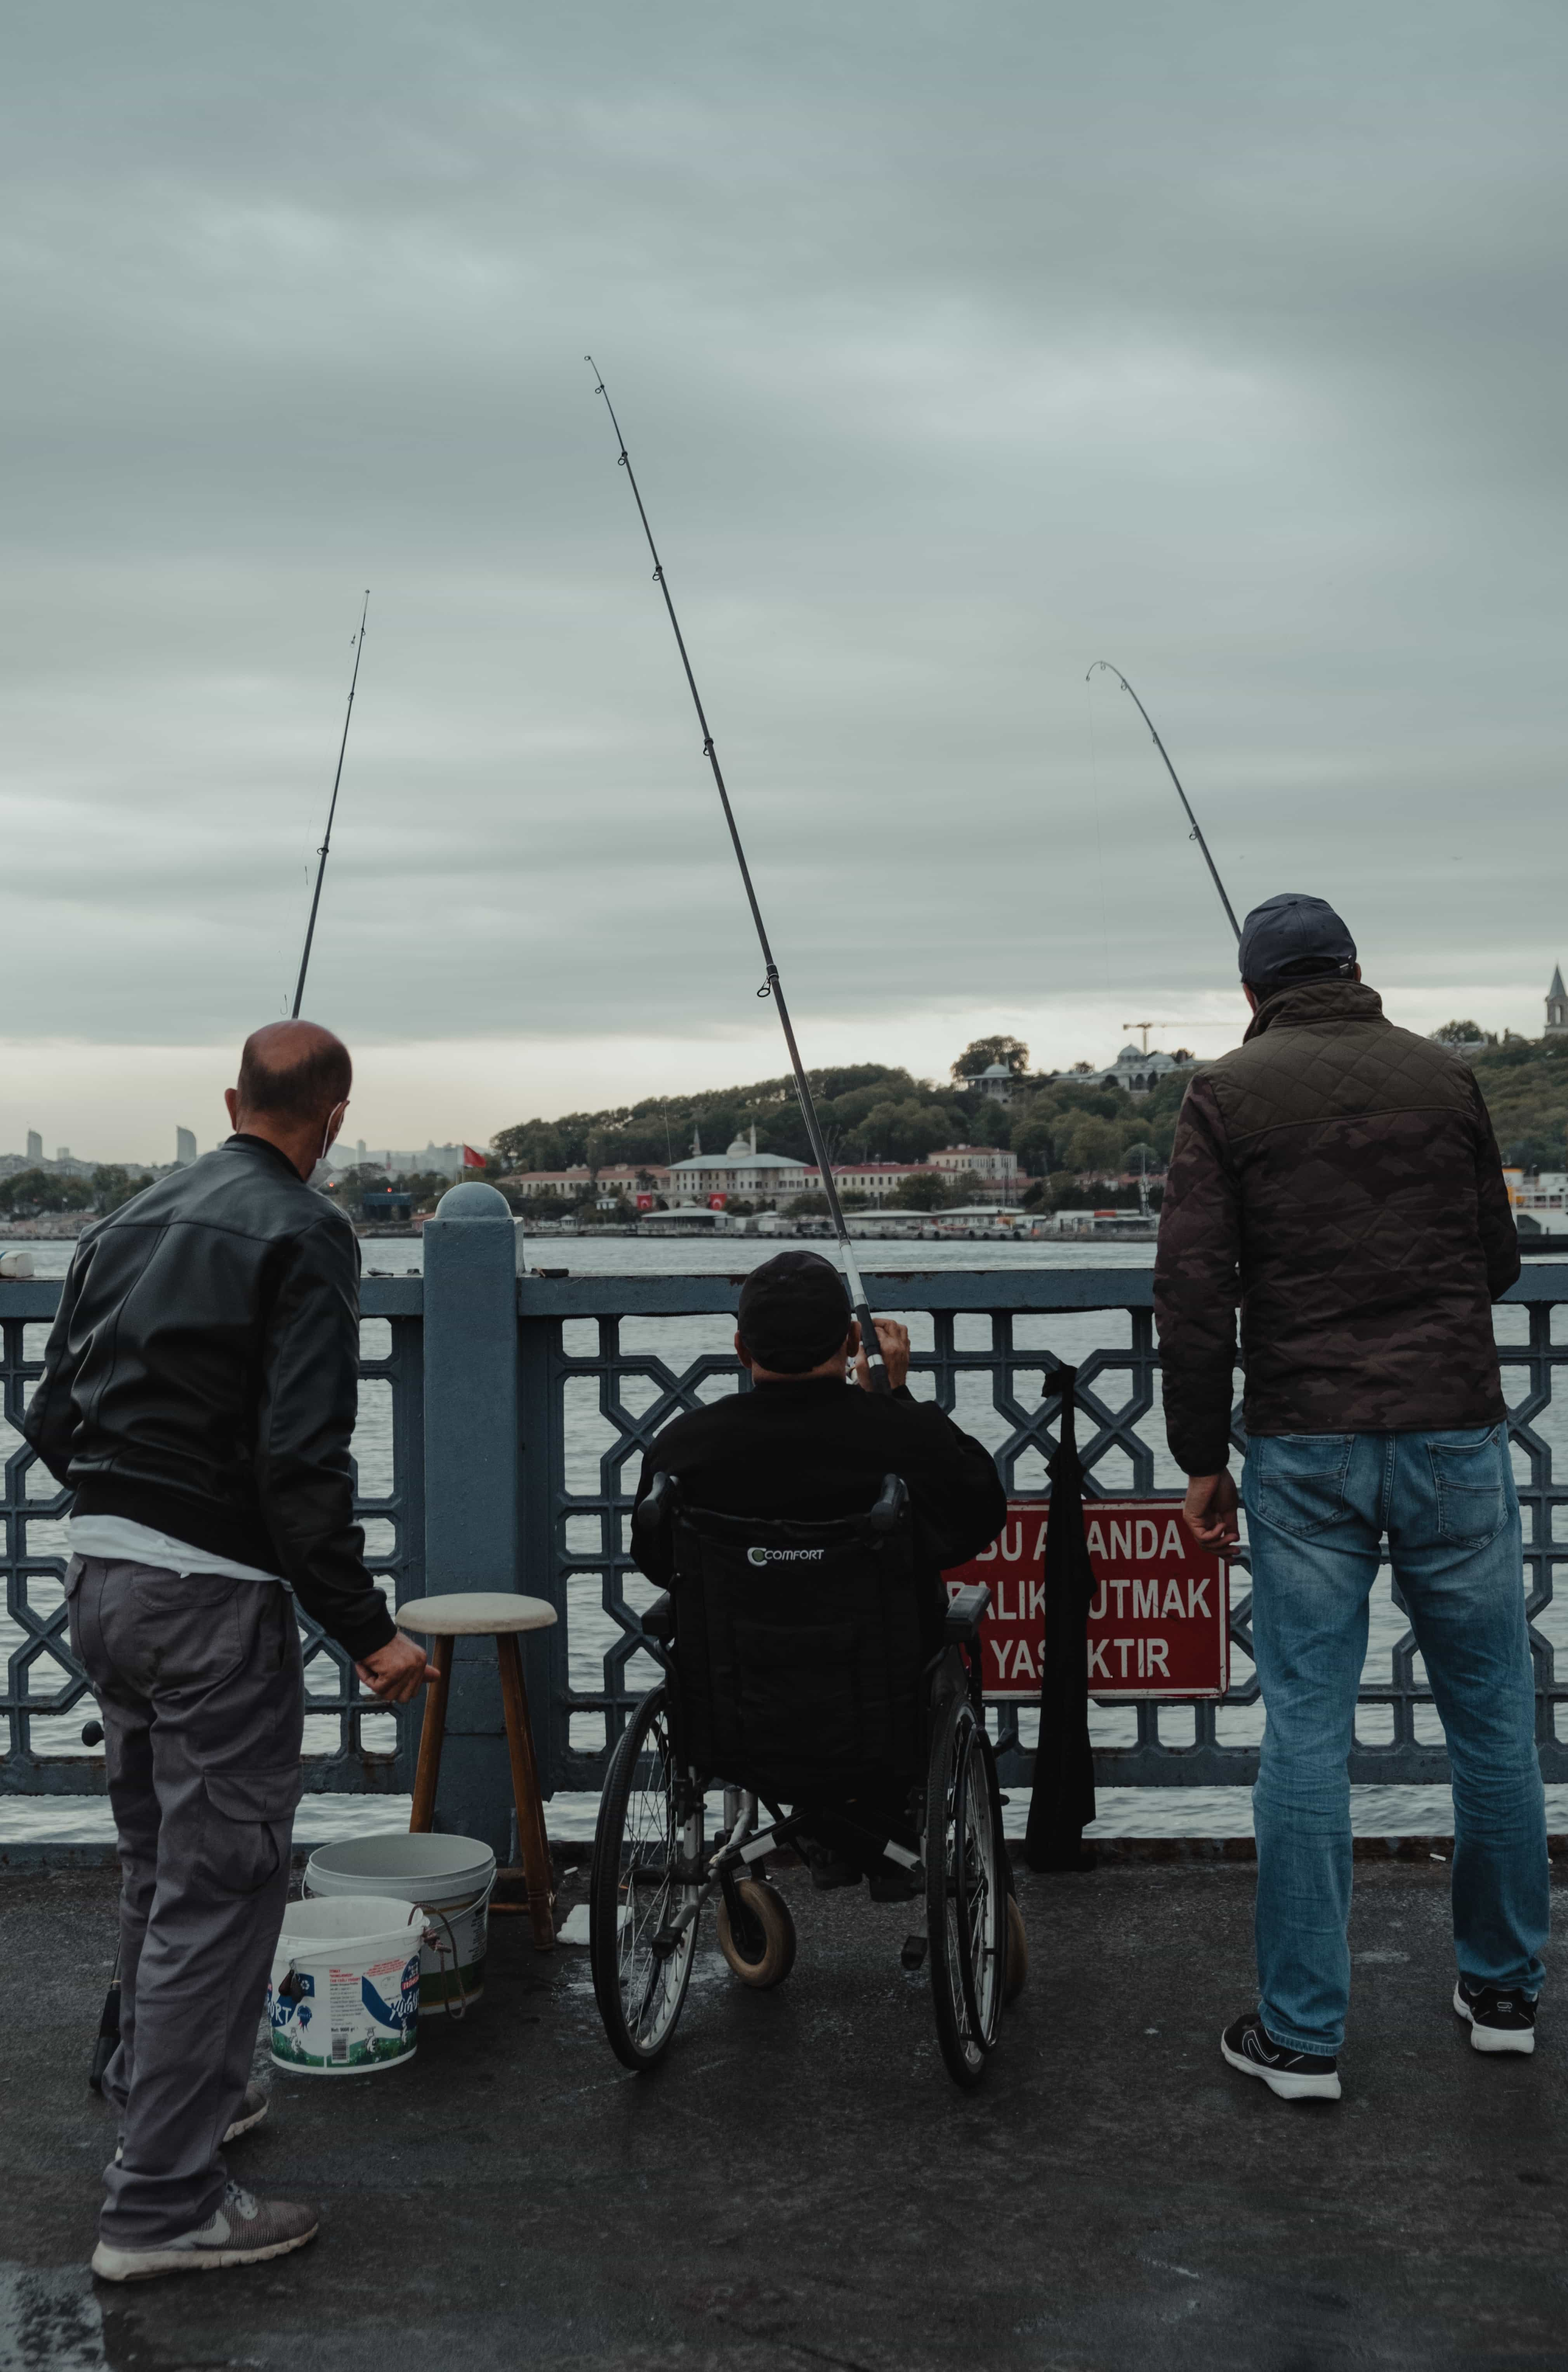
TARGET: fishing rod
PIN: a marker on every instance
(331, 812)
(772, 985)
(1197, 829)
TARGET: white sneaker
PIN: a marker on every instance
(1498, 2019)
(242, 2232)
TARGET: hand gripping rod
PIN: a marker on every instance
(331, 812)
(1170, 770)
(772, 985)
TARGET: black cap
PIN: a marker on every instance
(1292, 937)
(793, 1312)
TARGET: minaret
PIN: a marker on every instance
(1557, 1007)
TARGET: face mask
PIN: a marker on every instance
(327, 1135)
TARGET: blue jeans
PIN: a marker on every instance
(1318, 1507)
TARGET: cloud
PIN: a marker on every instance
(955, 349)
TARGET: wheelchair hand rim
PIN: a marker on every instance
(982, 2026)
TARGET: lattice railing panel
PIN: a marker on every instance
(994, 1371)
(351, 1744)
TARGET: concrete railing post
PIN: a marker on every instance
(471, 1482)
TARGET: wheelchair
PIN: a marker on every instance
(801, 1675)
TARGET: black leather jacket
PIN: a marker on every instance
(201, 1378)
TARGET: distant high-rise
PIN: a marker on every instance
(184, 1147)
(35, 1145)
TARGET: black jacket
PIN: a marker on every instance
(1339, 1179)
(202, 1373)
(812, 1450)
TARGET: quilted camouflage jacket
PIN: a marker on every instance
(1339, 1179)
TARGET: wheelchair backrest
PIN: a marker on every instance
(799, 1647)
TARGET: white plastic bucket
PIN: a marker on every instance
(343, 1994)
(451, 1878)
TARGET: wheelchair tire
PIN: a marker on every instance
(965, 1892)
(1017, 1974)
(771, 1913)
(633, 1891)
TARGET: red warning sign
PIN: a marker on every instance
(1158, 1623)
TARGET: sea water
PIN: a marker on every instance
(1123, 1811)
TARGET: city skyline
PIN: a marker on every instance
(569, 1077)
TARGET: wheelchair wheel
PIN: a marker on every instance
(965, 1893)
(764, 1954)
(640, 1971)
(1017, 1955)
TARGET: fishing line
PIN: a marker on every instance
(1196, 833)
(1099, 837)
(772, 985)
(331, 812)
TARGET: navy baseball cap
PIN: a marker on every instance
(1292, 937)
(793, 1312)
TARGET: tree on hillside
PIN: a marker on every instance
(32, 1193)
(113, 1185)
(1094, 1145)
(1034, 1137)
(924, 1190)
(1458, 1033)
(530, 1145)
(991, 1125)
(980, 1052)
(905, 1131)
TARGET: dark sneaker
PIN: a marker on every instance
(243, 2231)
(251, 2111)
(1497, 2020)
(1293, 2075)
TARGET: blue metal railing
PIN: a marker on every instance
(582, 1381)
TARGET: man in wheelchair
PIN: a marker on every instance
(800, 1447)
(815, 1680)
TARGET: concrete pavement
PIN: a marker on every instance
(800, 2186)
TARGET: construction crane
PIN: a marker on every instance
(1146, 1026)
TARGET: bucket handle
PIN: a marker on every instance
(456, 2010)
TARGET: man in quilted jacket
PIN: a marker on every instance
(1338, 1179)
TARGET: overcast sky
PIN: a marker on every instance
(957, 347)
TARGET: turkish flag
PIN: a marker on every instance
(645, 1202)
(717, 1202)
(472, 1160)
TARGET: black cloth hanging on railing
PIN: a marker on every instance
(1064, 1801)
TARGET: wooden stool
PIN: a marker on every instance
(497, 1614)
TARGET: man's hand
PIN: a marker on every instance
(1209, 1511)
(396, 1670)
(894, 1341)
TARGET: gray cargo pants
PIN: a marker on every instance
(200, 1680)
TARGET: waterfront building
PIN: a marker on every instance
(992, 1164)
(1137, 1074)
(877, 1181)
(443, 1160)
(613, 1181)
(742, 1170)
(1548, 1190)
